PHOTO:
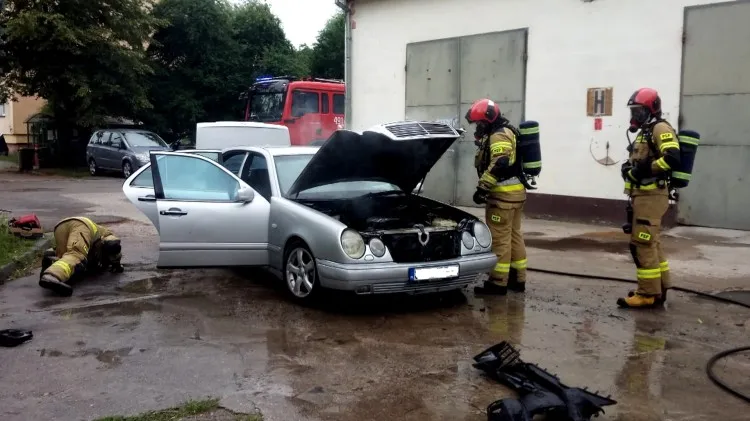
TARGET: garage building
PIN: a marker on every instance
(571, 65)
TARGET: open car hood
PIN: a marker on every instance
(399, 153)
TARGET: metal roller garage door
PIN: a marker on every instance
(443, 78)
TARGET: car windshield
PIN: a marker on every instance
(144, 140)
(266, 106)
(289, 167)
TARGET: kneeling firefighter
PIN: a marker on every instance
(504, 194)
(81, 246)
(653, 155)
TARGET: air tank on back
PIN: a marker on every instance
(689, 141)
(529, 149)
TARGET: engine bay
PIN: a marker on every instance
(400, 221)
(390, 214)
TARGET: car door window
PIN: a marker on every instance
(233, 161)
(105, 139)
(116, 141)
(193, 178)
(143, 179)
(255, 174)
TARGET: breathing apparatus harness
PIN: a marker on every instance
(515, 170)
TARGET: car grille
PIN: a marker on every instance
(406, 248)
(423, 287)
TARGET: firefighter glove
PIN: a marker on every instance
(640, 171)
(480, 196)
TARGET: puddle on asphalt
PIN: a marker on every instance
(144, 286)
(741, 296)
(122, 308)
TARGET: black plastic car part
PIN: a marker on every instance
(14, 337)
(540, 392)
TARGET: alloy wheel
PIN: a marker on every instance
(300, 272)
(126, 170)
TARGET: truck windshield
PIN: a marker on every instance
(267, 101)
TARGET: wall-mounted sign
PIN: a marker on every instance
(599, 102)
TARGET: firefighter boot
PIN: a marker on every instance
(638, 301)
(50, 282)
(491, 288)
(513, 283)
(661, 299)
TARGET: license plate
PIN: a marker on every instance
(439, 272)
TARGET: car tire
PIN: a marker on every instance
(92, 167)
(127, 169)
(301, 279)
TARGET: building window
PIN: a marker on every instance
(2, 110)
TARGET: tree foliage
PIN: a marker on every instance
(85, 57)
(328, 53)
(168, 63)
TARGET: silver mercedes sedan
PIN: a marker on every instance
(342, 216)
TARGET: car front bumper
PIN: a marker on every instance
(386, 278)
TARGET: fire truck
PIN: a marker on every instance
(311, 108)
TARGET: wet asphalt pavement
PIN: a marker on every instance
(149, 339)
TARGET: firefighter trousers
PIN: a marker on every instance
(652, 268)
(504, 221)
(71, 249)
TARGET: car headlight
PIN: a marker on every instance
(377, 247)
(482, 233)
(143, 158)
(468, 240)
(353, 244)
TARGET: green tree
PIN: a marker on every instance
(85, 57)
(264, 47)
(194, 57)
(328, 52)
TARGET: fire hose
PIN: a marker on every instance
(715, 358)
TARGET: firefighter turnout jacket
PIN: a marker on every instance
(658, 145)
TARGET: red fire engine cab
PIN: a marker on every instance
(311, 108)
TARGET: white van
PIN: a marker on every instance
(228, 134)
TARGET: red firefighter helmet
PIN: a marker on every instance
(644, 104)
(483, 111)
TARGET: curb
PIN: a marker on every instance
(39, 246)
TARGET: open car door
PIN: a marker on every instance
(205, 215)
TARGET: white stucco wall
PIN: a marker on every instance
(572, 46)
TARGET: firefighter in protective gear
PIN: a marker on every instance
(81, 246)
(501, 190)
(652, 156)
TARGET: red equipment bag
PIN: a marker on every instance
(27, 226)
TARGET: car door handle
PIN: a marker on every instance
(149, 198)
(173, 212)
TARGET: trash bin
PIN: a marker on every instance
(26, 159)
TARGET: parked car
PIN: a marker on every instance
(341, 216)
(122, 150)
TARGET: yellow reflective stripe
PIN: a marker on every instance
(663, 164)
(664, 266)
(510, 188)
(64, 266)
(668, 145)
(537, 164)
(630, 186)
(487, 177)
(502, 267)
(92, 226)
(681, 175)
(498, 147)
(530, 130)
(689, 140)
(648, 273)
(519, 264)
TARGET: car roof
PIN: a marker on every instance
(241, 124)
(280, 150)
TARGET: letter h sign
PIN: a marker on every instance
(599, 102)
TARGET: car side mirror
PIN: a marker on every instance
(245, 195)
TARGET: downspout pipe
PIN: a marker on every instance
(345, 6)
